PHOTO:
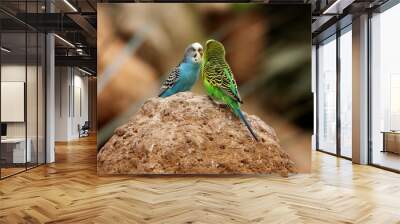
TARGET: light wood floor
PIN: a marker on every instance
(69, 191)
(10, 171)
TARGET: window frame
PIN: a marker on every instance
(339, 32)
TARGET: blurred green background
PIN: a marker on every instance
(268, 48)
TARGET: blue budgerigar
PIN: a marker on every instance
(184, 76)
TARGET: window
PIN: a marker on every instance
(346, 92)
(385, 89)
(327, 95)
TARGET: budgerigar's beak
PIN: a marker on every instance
(197, 57)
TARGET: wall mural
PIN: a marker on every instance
(204, 89)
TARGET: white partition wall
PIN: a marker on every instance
(14, 143)
(22, 78)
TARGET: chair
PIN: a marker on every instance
(84, 130)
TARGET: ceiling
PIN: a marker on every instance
(76, 22)
(332, 15)
(72, 20)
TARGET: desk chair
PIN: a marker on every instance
(84, 130)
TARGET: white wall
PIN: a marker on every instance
(80, 110)
(61, 103)
(71, 94)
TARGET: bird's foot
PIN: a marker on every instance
(212, 100)
(216, 103)
(223, 106)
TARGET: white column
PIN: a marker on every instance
(50, 94)
(360, 90)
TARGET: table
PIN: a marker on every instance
(391, 141)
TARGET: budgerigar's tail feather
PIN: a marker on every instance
(165, 93)
(240, 114)
(161, 94)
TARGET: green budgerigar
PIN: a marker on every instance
(219, 82)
